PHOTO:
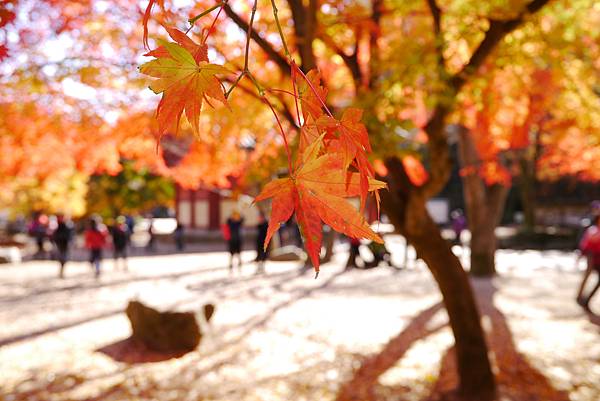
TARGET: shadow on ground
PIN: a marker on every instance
(131, 351)
(517, 378)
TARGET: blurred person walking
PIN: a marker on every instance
(120, 240)
(151, 236)
(586, 222)
(178, 235)
(95, 241)
(590, 246)
(61, 237)
(234, 242)
(38, 229)
(459, 224)
(261, 235)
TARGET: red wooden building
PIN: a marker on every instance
(206, 209)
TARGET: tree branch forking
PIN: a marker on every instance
(497, 30)
(435, 128)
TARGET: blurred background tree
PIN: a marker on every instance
(132, 191)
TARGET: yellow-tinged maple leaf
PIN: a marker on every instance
(316, 191)
(184, 83)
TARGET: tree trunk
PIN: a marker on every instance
(483, 250)
(484, 205)
(527, 192)
(409, 215)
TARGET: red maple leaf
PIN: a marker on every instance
(315, 191)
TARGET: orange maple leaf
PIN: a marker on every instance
(349, 137)
(311, 101)
(184, 82)
(316, 191)
(198, 51)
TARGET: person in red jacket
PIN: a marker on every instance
(590, 246)
(95, 240)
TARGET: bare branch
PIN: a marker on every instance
(436, 14)
(351, 60)
(374, 34)
(497, 30)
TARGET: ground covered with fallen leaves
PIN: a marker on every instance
(377, 334)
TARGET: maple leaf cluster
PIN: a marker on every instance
(331, 163)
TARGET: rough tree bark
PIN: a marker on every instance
(484, 207)
(406, 209)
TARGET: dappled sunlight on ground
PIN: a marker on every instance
(379, 334)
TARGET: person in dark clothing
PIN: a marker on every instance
(354, 253)
(61, 237)
(261, 252)
(179, 236)
(120, 239)
(234, 242)
(38, 229)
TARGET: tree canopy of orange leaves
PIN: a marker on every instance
(516, 115)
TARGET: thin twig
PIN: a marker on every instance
(275, 12)
(246, 71)
(296, 95)
(193, 20)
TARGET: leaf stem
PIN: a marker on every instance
(285, 142)
(275, 12)
(246, 71)
(280, 90)
(293, 76)
(235, 83)
(314, 90)
(193, 20)
(249, 34)
(212, 26)
(259, 88)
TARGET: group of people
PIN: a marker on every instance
(97, 237)
(232, 233)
